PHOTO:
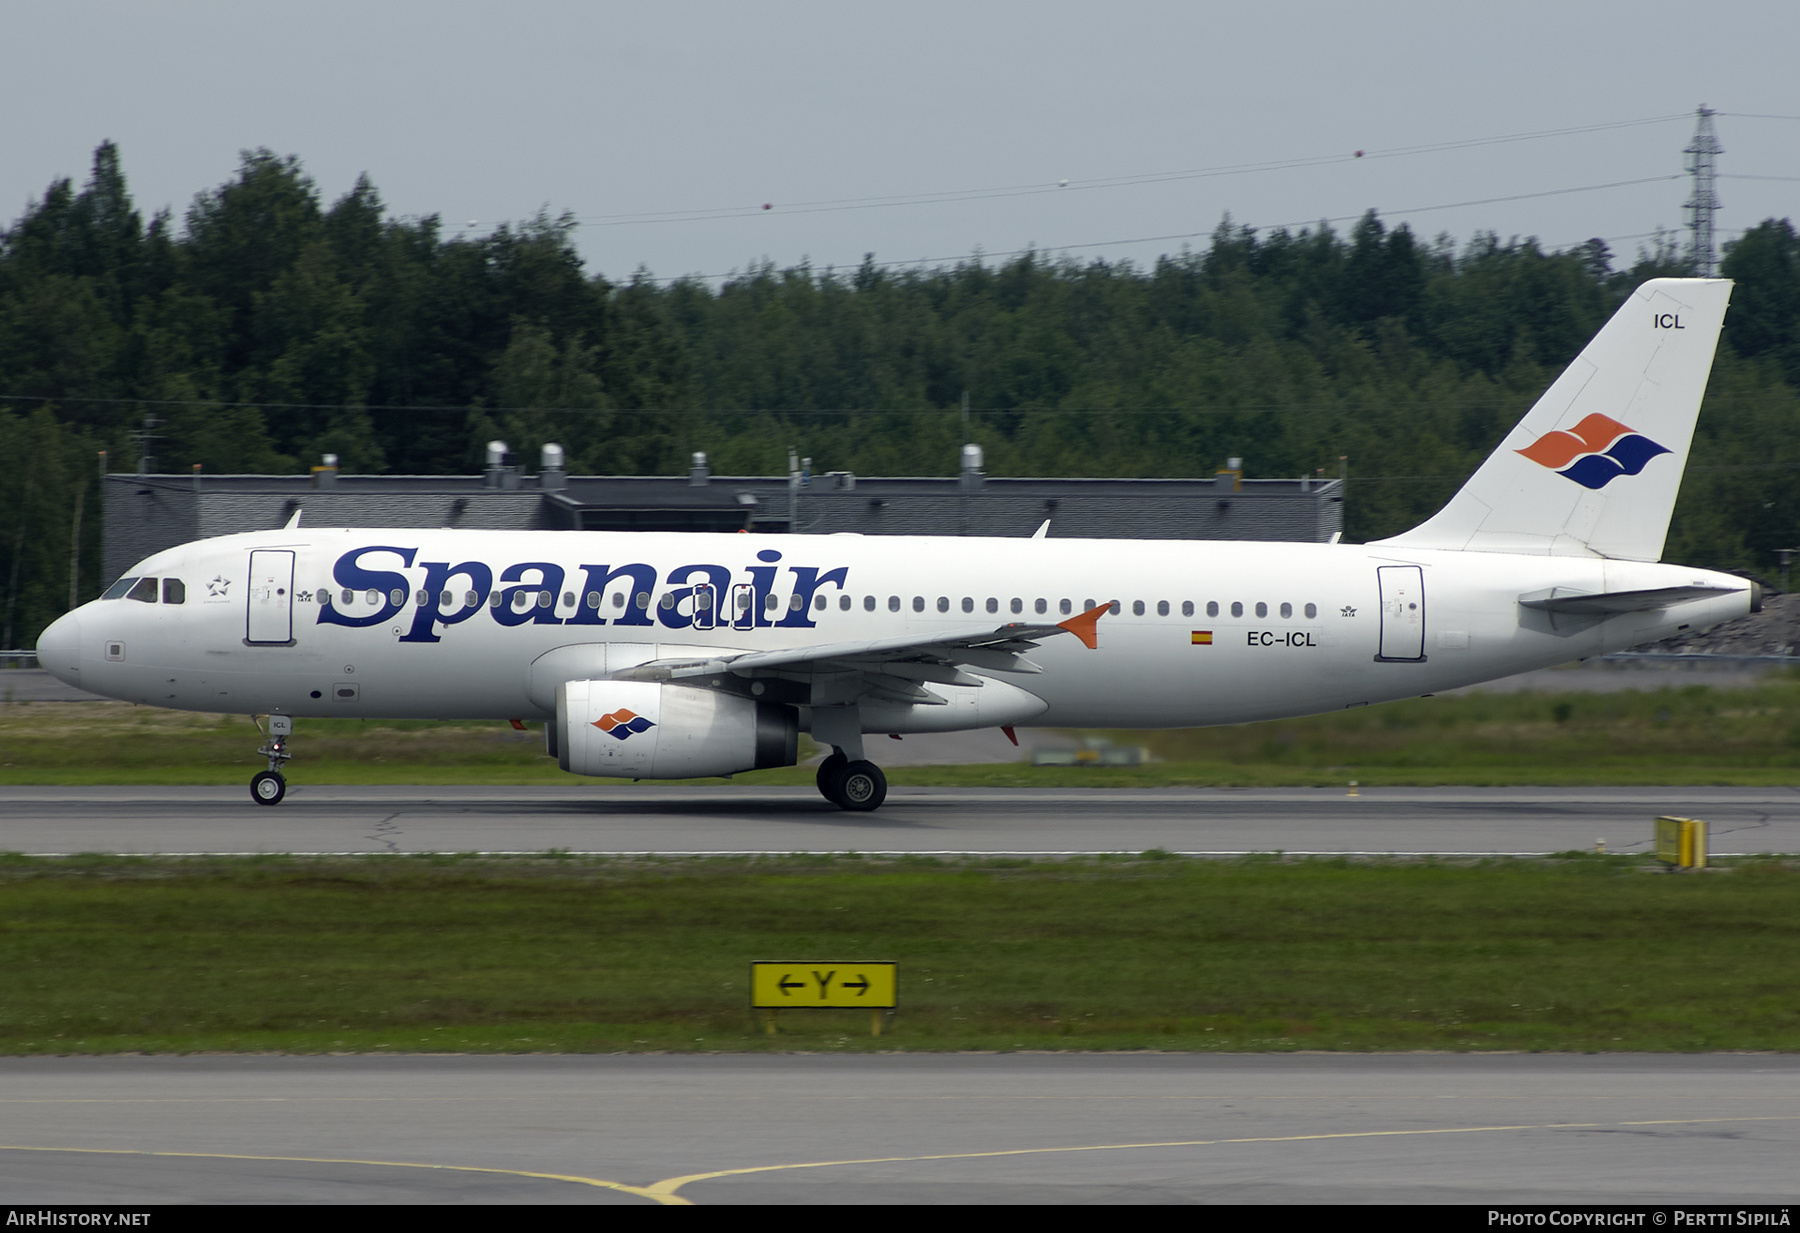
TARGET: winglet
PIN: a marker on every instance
(294, 522)
(1043, 531)
(1010, 734)
(1083, 626)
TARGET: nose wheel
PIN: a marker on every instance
(268, 787)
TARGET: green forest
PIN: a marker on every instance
(267, 327)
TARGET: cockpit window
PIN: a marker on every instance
(117, 590)
(144, 592)
(174, 591)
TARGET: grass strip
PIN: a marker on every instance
(1694, 734)
(105, 954)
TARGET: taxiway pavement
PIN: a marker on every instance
(912, 1129)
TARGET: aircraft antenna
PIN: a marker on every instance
(1705, 200)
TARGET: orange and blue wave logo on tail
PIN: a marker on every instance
(1595, 452)
(622, 723)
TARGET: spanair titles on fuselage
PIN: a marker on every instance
(442, 594)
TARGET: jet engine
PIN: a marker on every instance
(653, 730)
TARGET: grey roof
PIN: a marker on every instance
(147, 513)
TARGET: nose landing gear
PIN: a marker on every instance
(268, 787)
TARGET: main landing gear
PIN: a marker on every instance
(268, 787)
(856, 786)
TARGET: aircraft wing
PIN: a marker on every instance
(905, 662)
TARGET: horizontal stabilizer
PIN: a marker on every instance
(1564, 600)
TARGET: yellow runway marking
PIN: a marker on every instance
(667, 1200)
(669, 1186)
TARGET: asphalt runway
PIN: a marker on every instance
(643, 819)
(913, 1129)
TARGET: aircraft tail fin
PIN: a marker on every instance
(1594, 467)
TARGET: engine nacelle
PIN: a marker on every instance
(653, 730)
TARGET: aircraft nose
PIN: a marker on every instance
(59, 649)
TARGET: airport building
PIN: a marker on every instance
(147, 513)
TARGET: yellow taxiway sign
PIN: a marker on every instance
(775, 986)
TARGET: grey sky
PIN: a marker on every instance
(490, 111)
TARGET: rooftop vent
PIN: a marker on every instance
(550, 467)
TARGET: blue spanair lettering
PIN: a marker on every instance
(350, 574)
(808, 579)
(643, 582)
(673, 616)
(550, 579)
(762, 581)
(438, 574)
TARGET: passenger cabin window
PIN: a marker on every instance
(1137, 607)
(1237, 609)
(1262, 609)
(1212, 607)
(1065, 607)
(918, 603)
(893, 603)
(174, 591)
(1041, 606)
(1018, 605)
(118, 589)
(144, 592)
(1312, 610)
(943, 603)
(968, 604)
(993, 605)
(1162, 607)
(1287, 610)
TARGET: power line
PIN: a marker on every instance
(1191, 235)
(708, 214)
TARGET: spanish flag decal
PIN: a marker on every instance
(1203, 637)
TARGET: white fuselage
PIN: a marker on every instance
(1206, 632)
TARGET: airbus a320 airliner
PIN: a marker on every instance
(662, 656)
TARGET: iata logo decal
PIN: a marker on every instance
(1595, 452)
(622, 723)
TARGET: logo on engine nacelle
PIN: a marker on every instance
(622, 723)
